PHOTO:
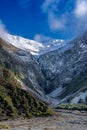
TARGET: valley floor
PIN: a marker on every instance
(62, 120)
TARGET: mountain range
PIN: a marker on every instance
(41, 73)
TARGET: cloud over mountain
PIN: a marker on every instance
(3, 31)
(66, 15)
(81, 8)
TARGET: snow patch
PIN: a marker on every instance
(81, 96)
(34, 47)
(66, 47)
(25, 44)
(56, 92)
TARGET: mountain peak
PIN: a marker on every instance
(34, 47)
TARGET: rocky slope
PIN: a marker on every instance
(35, 48)
(21, 84)
(65, 70)
(24, 66)
(58, 74)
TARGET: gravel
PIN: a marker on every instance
(62, 120)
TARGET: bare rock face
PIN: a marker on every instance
(24, 66)
(66, 67)
(55, 76)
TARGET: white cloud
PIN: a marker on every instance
(37, 38)
(80, 16)
(50, 7)
(46, 5)
(67, 17)
(81, 8)
(2, 26)
(41, 38)
(24, 3)
(3, 31)
(54, 22)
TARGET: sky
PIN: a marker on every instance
(36, 19)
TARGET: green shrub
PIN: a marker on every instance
(4, 127)
(15, 101)
(72, 107)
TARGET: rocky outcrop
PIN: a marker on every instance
(24, 66)
(66, 68)
(21, 84)
(58, 75)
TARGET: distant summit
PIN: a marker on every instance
(34, 47)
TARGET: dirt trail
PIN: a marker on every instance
(62, 120)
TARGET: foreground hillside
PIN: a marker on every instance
(57, 76)
(15, 99)
(24, 66)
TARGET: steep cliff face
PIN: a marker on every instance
(65, 70)
(24, 66)
(20, 84)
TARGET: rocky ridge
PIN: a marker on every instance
(65, 70)
(21, 94)
(56, 76)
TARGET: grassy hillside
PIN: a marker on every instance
(16, 102)
(80, 107)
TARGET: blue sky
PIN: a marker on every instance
(44, 18)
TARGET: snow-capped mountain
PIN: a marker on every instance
(65, 70)
(52, 45)
(25, 67)
(34, 47)
(58, 74)
(22, 43)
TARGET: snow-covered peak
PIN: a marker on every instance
(51, 44)
(34, 47)
(25, 44)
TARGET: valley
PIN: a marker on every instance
(31, 84)
(62, 119)
(43, 64)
